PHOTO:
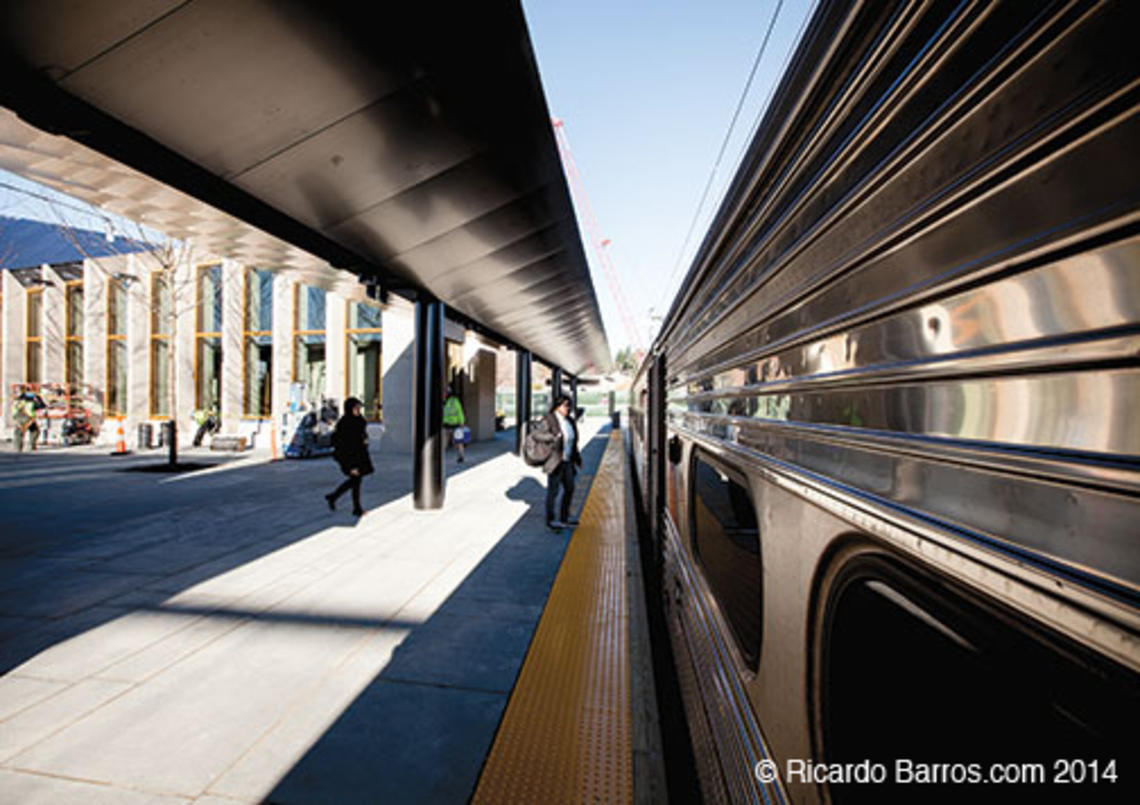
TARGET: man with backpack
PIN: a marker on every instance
(557, 434)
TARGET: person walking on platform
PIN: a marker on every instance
(453, 418)
(350, 448)
(564, 461)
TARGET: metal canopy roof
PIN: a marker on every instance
(412, 145)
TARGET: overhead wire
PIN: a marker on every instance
(720, 154)
(763, 108)
(91, 211)
(108, 220)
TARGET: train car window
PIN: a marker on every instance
(671, 489)
(910, 668)
(726, 541)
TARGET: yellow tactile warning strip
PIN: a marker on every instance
(565, 736)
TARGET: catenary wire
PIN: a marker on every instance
(720, 154)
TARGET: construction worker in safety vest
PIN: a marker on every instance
(453, 418)
(207, 421)
(24, 420)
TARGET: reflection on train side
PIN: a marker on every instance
(1007, 324)
(886, 440)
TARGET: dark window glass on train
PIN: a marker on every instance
(726, 540)
(913, 670)
(671, 492)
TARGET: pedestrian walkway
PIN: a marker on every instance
(567, 732)
(221, 637)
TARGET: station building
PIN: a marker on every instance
(108, 319)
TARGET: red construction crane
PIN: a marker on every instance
(599, 244)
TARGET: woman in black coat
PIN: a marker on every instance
(350, 449)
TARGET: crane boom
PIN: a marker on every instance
(599, 244)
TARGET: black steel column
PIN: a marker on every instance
(555, 384)
(522, 397)
(574, 396)
(427, 405)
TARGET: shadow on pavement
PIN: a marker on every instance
(421, 730)
(82, 544)
(83, 547)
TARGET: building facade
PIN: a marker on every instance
(134, 338)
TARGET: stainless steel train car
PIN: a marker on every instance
(888, 439)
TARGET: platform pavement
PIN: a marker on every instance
(220, 636)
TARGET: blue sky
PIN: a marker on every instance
(23, 198)
(646, 91)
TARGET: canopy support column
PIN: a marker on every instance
(427, 405)
(522, 397)
(555, 384)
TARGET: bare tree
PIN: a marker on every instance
(167, 306)
(172, 296)
(162, 256)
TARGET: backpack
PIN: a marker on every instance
(536, 451)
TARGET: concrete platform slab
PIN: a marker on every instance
(72, 590)
(53, 714)
(463, 651)
(20, 692)
(259, 647)
(370, 755)
(273, 756)
(35, 789)
(91, 652)
(182, 729)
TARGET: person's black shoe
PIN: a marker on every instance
(554, 526)
(358, 512)
(461, 459)
(331, 501)
(571, 522)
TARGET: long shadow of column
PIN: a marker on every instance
(421, 730)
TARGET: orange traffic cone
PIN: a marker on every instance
(120, 442)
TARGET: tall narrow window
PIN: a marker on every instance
(364, 377)
(34, 350)
(309, 340)
(116, 399)
(726, 539)
(208, 340)
(161, 326)
(257, 339)
(73, 357)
